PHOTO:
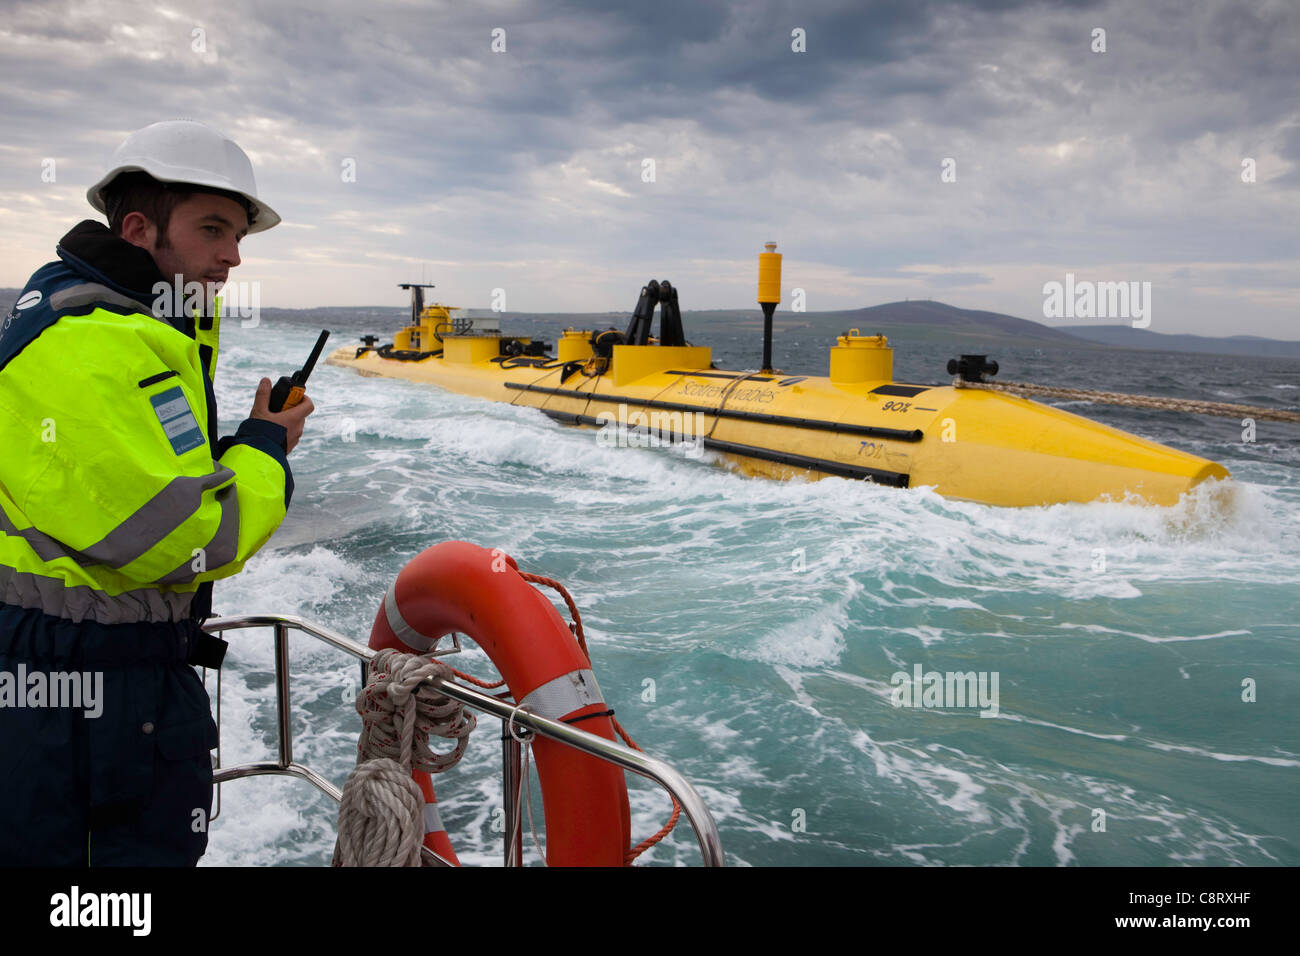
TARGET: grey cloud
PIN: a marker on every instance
(1064, 157)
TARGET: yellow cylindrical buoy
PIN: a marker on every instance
(769, 274)
(861, 358)
(574, 346)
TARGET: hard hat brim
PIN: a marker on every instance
(264, 216)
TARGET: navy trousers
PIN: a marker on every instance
(124, 777)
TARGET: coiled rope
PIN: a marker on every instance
(381, 815)
(1222, 409)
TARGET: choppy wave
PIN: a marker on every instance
(771, 617)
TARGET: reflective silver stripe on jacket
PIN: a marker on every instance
(564, 694)
(160, 516)
(222, 549)
(88, 293)
(149, 525)
(46, 548)
(84, 603)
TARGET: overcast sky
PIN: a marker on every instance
(525, 168)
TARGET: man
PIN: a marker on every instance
(119, 507)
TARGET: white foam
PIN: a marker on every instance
(683, 567)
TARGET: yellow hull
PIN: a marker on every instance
(970, 444)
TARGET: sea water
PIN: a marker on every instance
(753, 633)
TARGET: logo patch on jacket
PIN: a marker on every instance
(178, 422)
(27, 301)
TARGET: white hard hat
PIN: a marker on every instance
(184, 151)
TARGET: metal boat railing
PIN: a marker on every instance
(512, 718)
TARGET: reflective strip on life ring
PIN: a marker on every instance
(563, 695)
(435, 835)
(408, 635)
(460, 587)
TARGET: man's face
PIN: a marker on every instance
(202, 239)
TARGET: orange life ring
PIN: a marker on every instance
(458, 586)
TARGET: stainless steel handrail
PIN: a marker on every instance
(706, 831)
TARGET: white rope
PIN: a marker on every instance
(381, 815)
(523, 792)
(528, 796)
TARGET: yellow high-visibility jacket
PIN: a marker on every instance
(117, 504)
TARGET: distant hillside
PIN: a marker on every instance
(921, 320)
(961, 329)
(1125, 336)
(968, 322)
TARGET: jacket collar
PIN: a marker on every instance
(91, 249)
